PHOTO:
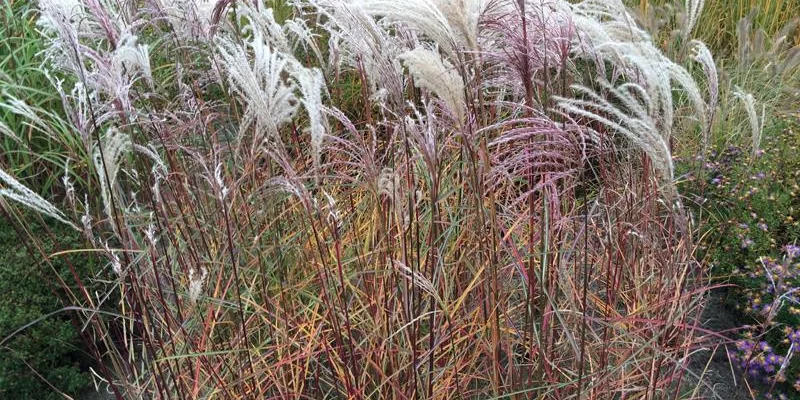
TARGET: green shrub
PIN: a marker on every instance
(51, 347)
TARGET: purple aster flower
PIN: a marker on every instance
(744, 345)
(795, 337)
(792, 250)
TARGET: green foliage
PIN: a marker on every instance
(50, 347)
(750, 210)
(21, 77)
(717, 26)
(754, 204)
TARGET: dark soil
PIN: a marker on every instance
(720, 379)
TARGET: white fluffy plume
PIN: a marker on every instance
(14, 190)
(438, 76)
(452, 24)
(629, 115)
(756, 123)
(312, 85)
(107, 156)
(269, 99)
(702, 55)
(608, 33)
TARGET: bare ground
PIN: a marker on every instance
(720, 380)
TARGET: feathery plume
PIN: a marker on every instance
(37, 118)
(534, 143)
(304, 36)
(632, 118)
(150, 234)
(268, 98)
(220, 183)
(261, 19)
(116, 263)
(130, 57)
(312, 84)
(59, 23)
(452, 24)
(702, 55)
(524, 38)
(438, 76)
(358, 42)
(391, 187)
(606, 32)
(756, 124)
(693, 10)
(464, 17)
(196, 281)
(86, 220)
(14, 190)
(68, 186)
(189, 18)
(114, 144)
(158, 170)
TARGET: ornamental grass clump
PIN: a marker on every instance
(371, 199)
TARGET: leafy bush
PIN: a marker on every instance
(49, 353)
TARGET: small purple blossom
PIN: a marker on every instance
(795, 337)
(792, 251)
(774, 359)
(745, 345)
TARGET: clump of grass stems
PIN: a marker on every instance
(717, 22)
(375, 199)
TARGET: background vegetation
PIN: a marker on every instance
(49, 357)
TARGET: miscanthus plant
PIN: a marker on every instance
(376, 199)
